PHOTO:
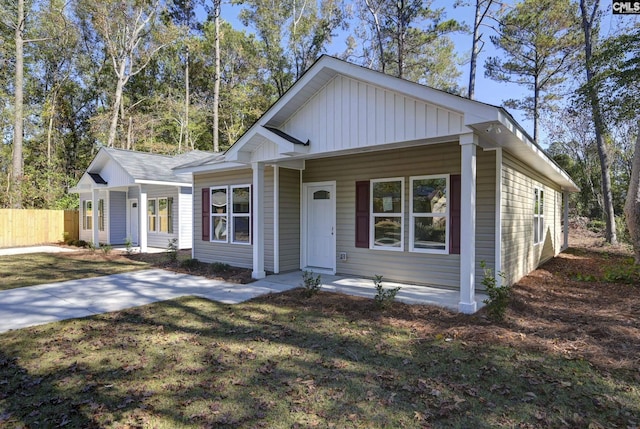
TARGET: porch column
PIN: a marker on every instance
(467, 303)
(276, 219)
(95, 233)
(143, 230)
(257, 230)
(565, 200)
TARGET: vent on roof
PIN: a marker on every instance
(98, 179)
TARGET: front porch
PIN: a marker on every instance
(358, 286)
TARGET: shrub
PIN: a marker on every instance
(498, 300)
(219, 267)
(106, 248)
(190, 263)
(310, 283)
(172, 250)
(128, 245)
(384, 297)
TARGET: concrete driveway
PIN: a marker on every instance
(36, 305)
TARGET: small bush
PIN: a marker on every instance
(622, 231)
(219, 267)
(623, 274)
(172, 250)
(106, 248)
(91, 246)
(596, 225)
(128, 245)
(499, 296)
(81, 243)
(384, 297)
(310, 283)
(190, 263)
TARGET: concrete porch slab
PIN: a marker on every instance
(409, 293)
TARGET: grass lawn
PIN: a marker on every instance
(567, 355)
(39, 268)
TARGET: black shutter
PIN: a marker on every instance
(206, 215)
(362, 214)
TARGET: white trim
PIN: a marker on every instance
(95, 232)
(304, 225)
(373, 215)
(142, 210)
(537, 197)
(233, 215)
(258, 220)
(565, 200)
(159, 182)
(128, 214)
(213, 215)
(413, 215)
(498, 219)
(276, 219)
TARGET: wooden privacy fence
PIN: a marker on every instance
(30, 227)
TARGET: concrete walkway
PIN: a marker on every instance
(35, 249)
(36, 305)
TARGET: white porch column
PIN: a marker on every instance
(467, 303)
(276, 219)
(257, 230)
(95, 233)
(143, 230)
(565, 200)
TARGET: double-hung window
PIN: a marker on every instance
(429, 215)
(538, 216)
(165, 215)
(100, 214)
(219, 214)
(241, 214)
(87, 214)
(152, 215)
(387, 202)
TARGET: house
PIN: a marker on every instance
(359, 173)
(127, 195)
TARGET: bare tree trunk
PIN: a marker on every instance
(18, 130)
(476, 47)
(130, 133)
(113, 128)
(607, 196)
(632, 205)
(187, 101)
(376, 20)
(216, 82)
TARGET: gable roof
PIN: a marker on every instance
(445, 117)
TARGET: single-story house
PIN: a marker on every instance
(136, 196)
(357, 172)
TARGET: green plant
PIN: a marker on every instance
(219, 267)
(310, 283)
(499, 295)
(190, 263)
(622, 230)
(91, 246)
(580, 277)
(623, 274)
(128, 245)
(172, 250)
(384, 297)
(106, 248)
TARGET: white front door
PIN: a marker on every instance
(319, 227)
(133, 221)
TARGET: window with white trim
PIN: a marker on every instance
(387, 215)
(87, 214)
(152, 215)
(429, 214)
(219, 214)
(241, 214)
(160, 215)
(538, 216)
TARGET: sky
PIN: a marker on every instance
(486, 90)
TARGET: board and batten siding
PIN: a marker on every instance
(365, 115)
(419, 268)
(237, 255)
(289, 226)
(161, 239)
(520, 255)
(117, 219)
(185, 219)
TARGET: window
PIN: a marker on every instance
(241, 214)
(160, 213)
(387, 201)
(538, 216)
(100, 215)
(152, 215)
(87, 214)
(429, 211)
(219, 203)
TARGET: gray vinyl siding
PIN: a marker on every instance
(289, 220)
(117, 219)
(185, 219)
(161, 239)
(485, 212)
(237, 255)
(519, 254)
(134, 192)
(420, 268)
(268, 220)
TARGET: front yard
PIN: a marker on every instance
(567, 355)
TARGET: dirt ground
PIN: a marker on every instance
(569, 306)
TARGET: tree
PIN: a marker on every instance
(482, 11)
(127, 31)
(408, 39)
(540, 40)
(590, 14)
